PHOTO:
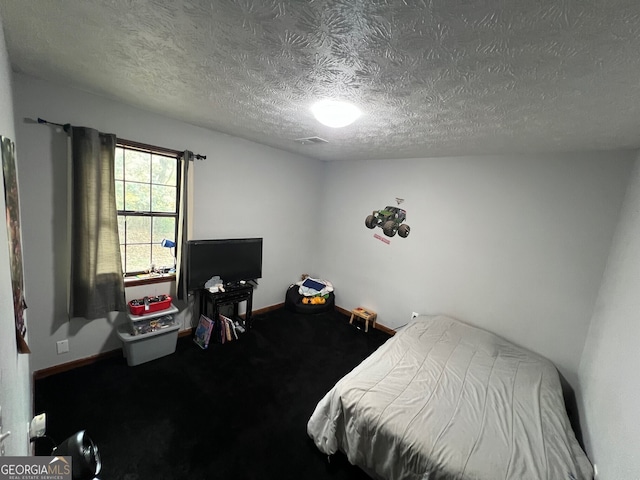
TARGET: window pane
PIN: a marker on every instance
(137, 166)
(119, 168)
(163, 227)
(164, 198)
(119, 195)
(162, 257)
(164, 170)
(122, 230)
(138, 230)
(138, 258)
(123, 257)
(137, 197)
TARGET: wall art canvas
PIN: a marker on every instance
(12, 203)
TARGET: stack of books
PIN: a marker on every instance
(221, 331)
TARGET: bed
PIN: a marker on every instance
(445, 400)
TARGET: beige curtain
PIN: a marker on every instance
(96, 279)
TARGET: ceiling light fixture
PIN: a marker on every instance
(335, 114)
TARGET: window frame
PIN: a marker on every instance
(158, 151)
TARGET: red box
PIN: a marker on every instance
(161, 302)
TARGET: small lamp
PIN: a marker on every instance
(169, 244)
(85, 459)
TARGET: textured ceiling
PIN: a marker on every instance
(433, 77)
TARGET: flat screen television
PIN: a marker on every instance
(232, 259)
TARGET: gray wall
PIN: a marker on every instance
(609, 377)
(15, 384)
(515, 245)
(242, 189)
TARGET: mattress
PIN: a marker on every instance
(445, 400)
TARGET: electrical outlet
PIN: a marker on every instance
(62, 346)
(414, 315)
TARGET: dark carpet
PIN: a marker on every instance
(234, 411)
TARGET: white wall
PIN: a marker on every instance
(242, 189)
(514, 245)
(609, 378)
(15, 380)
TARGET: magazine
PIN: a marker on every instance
(203, 332)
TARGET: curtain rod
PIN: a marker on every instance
(67, 128)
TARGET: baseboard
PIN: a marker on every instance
(377, 326)
(268, 309)
(64, 367)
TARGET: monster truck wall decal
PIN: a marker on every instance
(390, 221)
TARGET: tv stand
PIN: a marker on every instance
(210, 302)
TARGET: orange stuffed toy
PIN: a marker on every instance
(314, 300)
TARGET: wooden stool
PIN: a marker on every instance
(365, 315)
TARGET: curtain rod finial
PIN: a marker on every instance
(66, 127)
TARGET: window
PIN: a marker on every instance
(147, 193)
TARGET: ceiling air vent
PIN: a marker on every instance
(310, 140)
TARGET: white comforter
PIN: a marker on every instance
(444, 400)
